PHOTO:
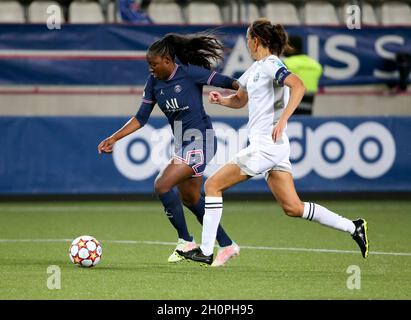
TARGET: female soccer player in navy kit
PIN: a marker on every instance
(177, 89)
(272, 93)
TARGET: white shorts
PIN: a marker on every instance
(263, 156)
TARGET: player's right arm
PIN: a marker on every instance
(235, 101)
(135, 123)
(106, 146)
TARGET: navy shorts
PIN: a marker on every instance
(197, 153)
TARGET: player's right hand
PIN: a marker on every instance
(106, 146)
(214, 97)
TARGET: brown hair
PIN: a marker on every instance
(272, 36)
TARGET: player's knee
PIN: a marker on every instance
(161, 186)
(211, 187)
(293, 209)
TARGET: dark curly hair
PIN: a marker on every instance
(198, 49)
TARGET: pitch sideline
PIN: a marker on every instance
(143, 242)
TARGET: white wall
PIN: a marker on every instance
(125, 102)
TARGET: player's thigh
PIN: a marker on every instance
(227, 176)
(173, 174)
(281, 184)
(190, 190)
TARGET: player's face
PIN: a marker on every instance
(251, 44)
(160, 67)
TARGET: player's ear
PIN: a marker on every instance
(256, 41)
(167, 60)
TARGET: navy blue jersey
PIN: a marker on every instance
(180, 97)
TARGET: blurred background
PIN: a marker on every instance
(72, 72)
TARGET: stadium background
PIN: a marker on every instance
(64, 88)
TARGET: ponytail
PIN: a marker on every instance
(200, 49)
(282, 36)
(272, 36)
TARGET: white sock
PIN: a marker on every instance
(211, 220)
(315, 212)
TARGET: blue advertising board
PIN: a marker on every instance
(58, 155)
(105, 54)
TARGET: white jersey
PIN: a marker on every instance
(267, 96)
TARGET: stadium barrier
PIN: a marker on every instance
(58, 155)
(114, 55)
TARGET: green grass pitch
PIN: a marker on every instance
(278, 259)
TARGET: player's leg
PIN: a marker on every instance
(282, 186)
(173, 174)
(190, 192)
(224, 178)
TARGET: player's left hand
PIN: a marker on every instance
(278, 130)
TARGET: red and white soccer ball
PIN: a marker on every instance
(85, 251)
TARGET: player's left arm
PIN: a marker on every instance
(277, 71)
(222, 81)
(297, 91)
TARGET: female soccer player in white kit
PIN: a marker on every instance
(272, 93)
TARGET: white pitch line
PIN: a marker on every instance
(242, 247)
(77, 208)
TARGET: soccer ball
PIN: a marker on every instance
(85, 251)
